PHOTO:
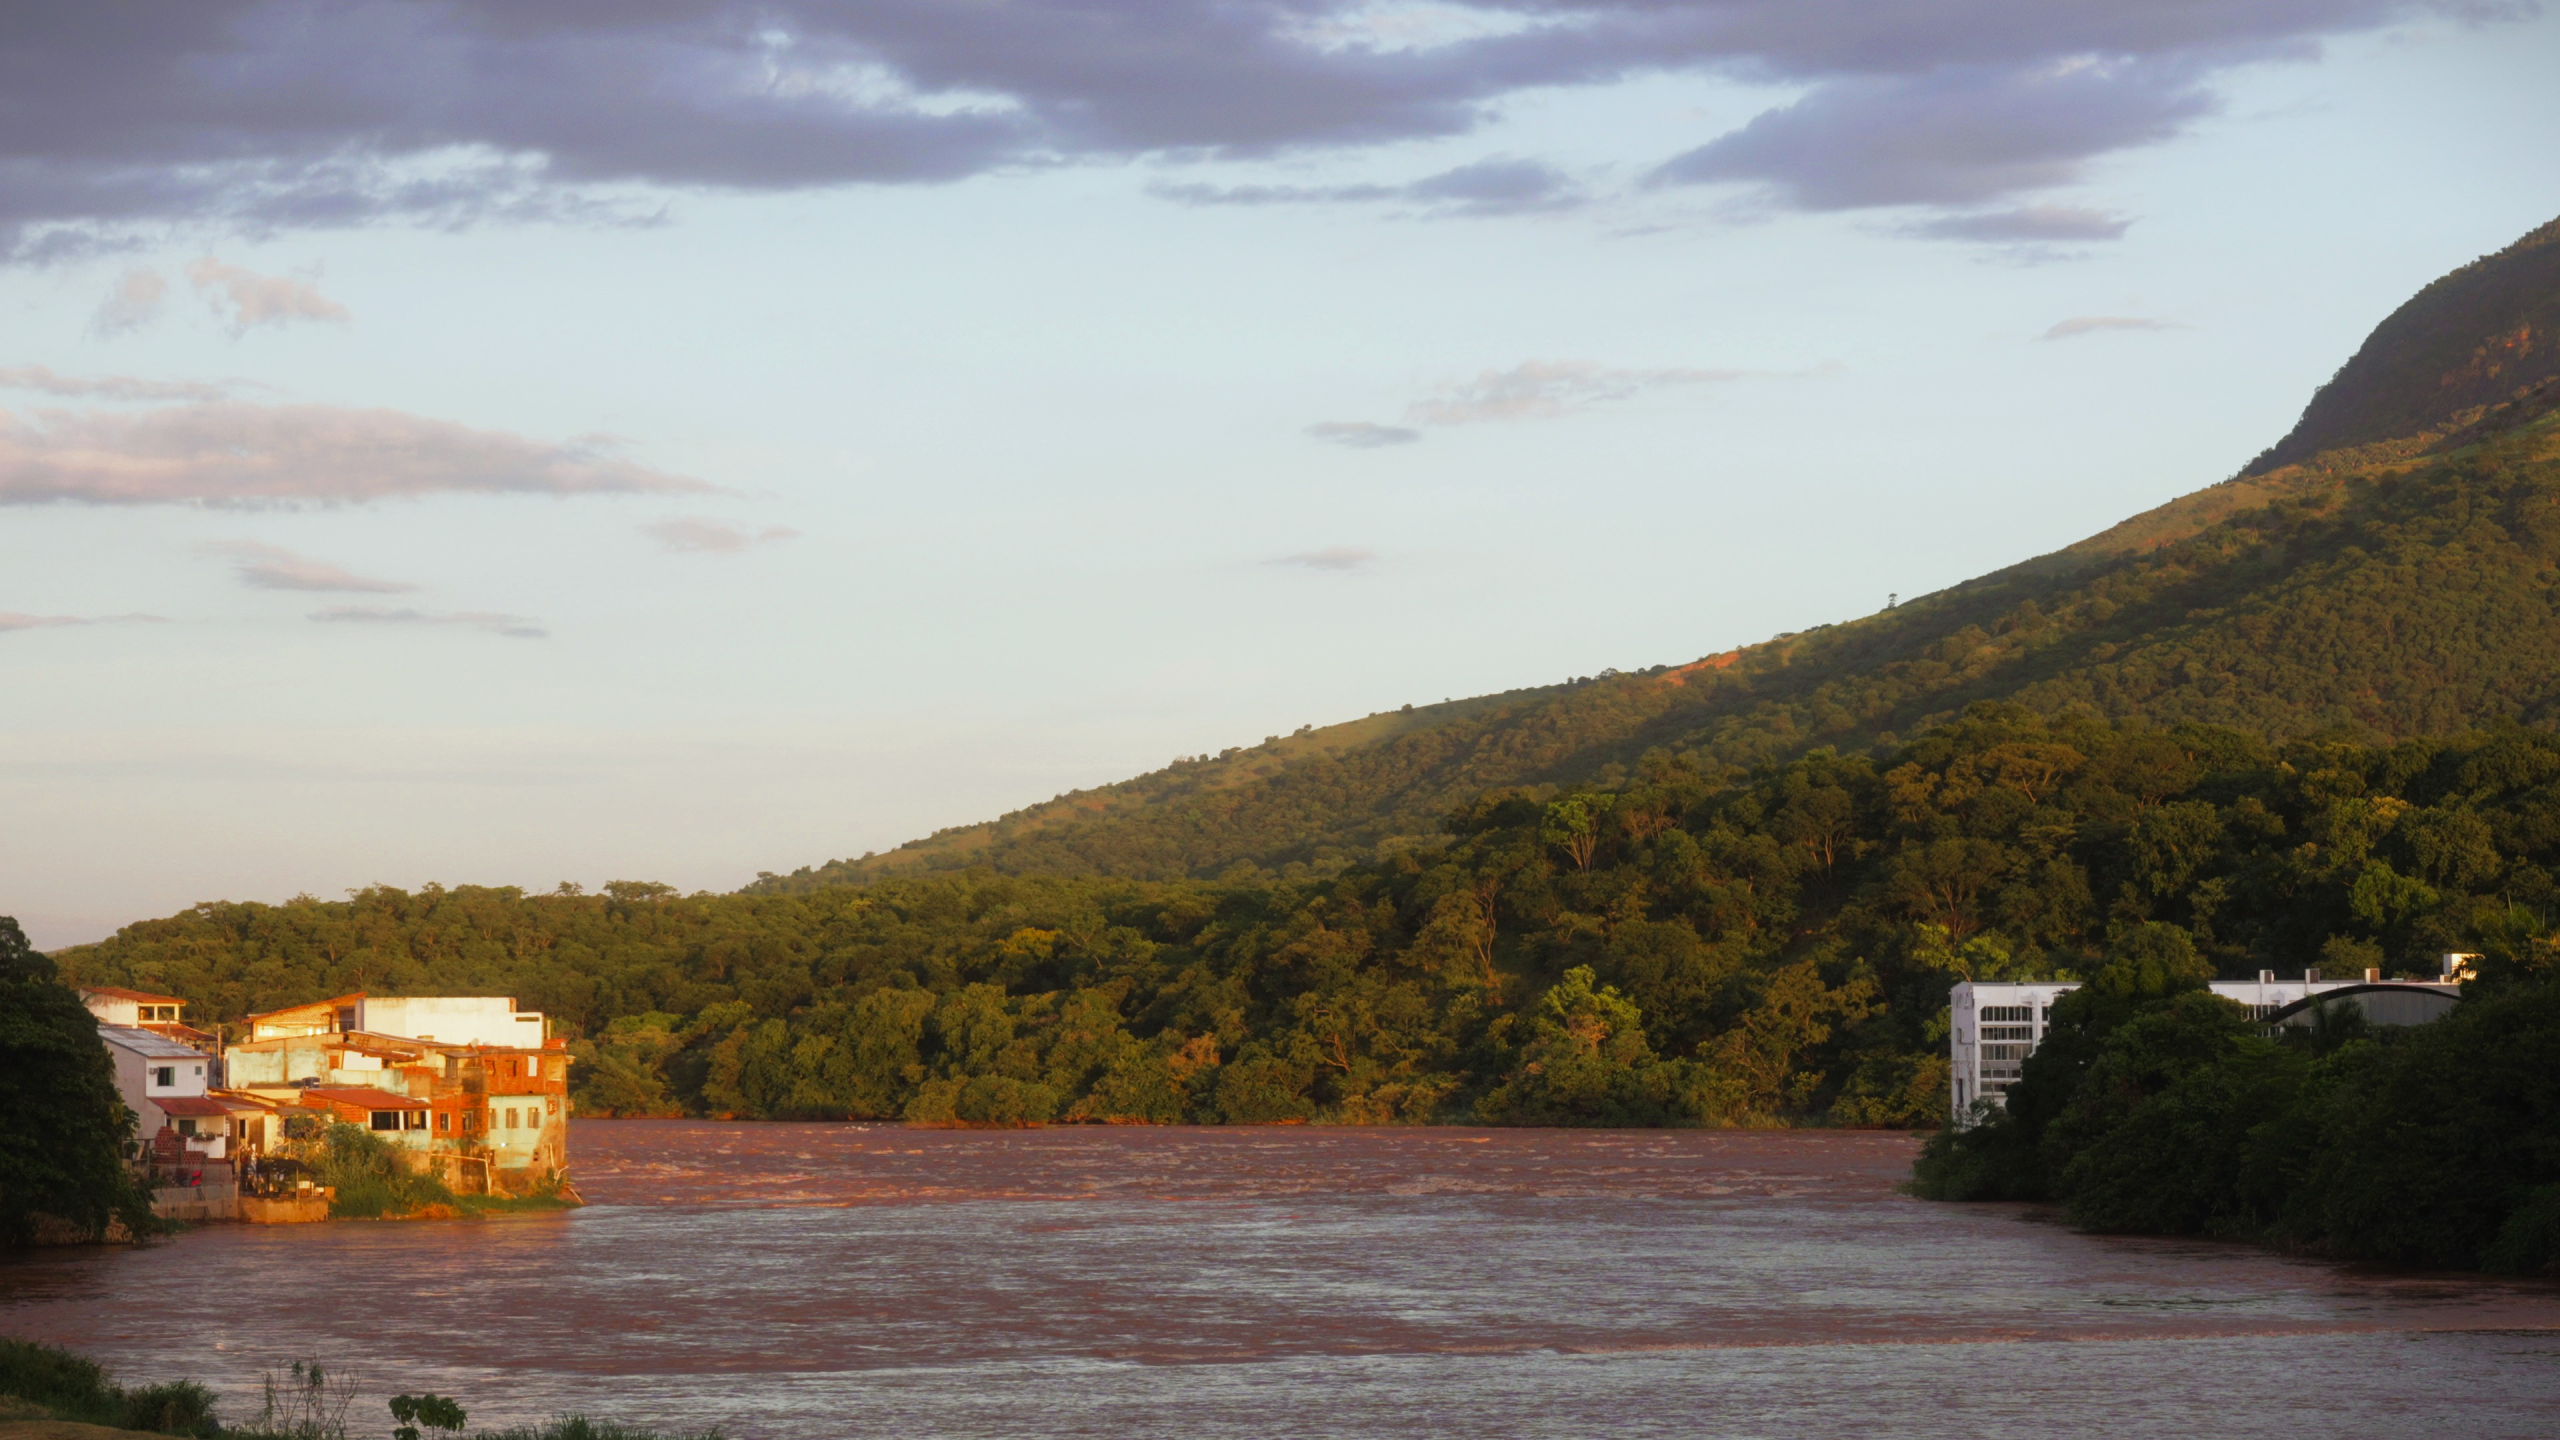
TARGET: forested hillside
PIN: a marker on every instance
(2404, 599)
(1689, 945)
(2404, 588)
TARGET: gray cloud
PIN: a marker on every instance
(261, 115)
(268, 567)
(1544, 389)
(107, 387)
(514, 627)
(1339, 559)
(2028, 225)
(2079, 325)
(1362, 435)
(1491, 187)
(134, 303)
(12, 620)
(228, 452)
(695, 535)
(245, 298)
(1961, 135)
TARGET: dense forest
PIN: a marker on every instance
(1691, 945)
(2154, 1107)
(2417, 596)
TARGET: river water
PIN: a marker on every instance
(840, 1280)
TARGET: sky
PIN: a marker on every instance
(569, 441)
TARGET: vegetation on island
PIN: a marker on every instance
(2156, 1107)
(1723, 947)
(309, 1401)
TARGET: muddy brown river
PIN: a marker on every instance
(837, 1280)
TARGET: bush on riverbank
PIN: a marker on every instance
(67, 1387)
(2155, 1108)
(374, 1182)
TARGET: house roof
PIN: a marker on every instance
(332, 1003)
(147, 1045)
(363, 1097)
(191, 1105)
(145, 996)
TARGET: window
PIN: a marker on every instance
(533, 1067)
(2011, 1014)
(511, 1119)
(198, 1069)
(2008, 1032)
(386, 1119)
(186, 1127)
(470, 1122)
(444, 1120)
(165, 1076)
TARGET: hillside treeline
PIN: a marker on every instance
(1726, 947)
(2155, 1107)
(2405, 599)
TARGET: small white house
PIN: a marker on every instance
(164, 1083)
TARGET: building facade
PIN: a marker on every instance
(484, 1117)
(1993, 1026)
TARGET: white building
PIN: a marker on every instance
(163, 1083)
(1994, 1026)
(444, 1019)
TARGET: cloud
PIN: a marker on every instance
(1491, 187)
(1362, 435)
(11, 620)
(1544, 389)
(272, 115)
(253, 299)
(266, 567)
(107, 387)
(2079, 325)
(134, 303)
(514, 627)
(231, 453)
(2028, 225)
(1956, 135)
(1339, 559)
(695, 535)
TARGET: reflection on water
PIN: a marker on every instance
(789, 1280)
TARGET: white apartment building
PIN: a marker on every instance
(1994, 1026)
(444, 1019)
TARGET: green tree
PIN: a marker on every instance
(64, 1131)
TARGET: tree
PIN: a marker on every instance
(64, 1131)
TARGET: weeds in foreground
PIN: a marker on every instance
(306, 1402)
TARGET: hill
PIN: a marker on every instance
(2396, 580)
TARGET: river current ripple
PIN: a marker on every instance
(845, 1280)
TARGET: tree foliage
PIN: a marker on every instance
(1688, 946)
(63, 1128)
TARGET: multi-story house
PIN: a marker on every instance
(482, 1112)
